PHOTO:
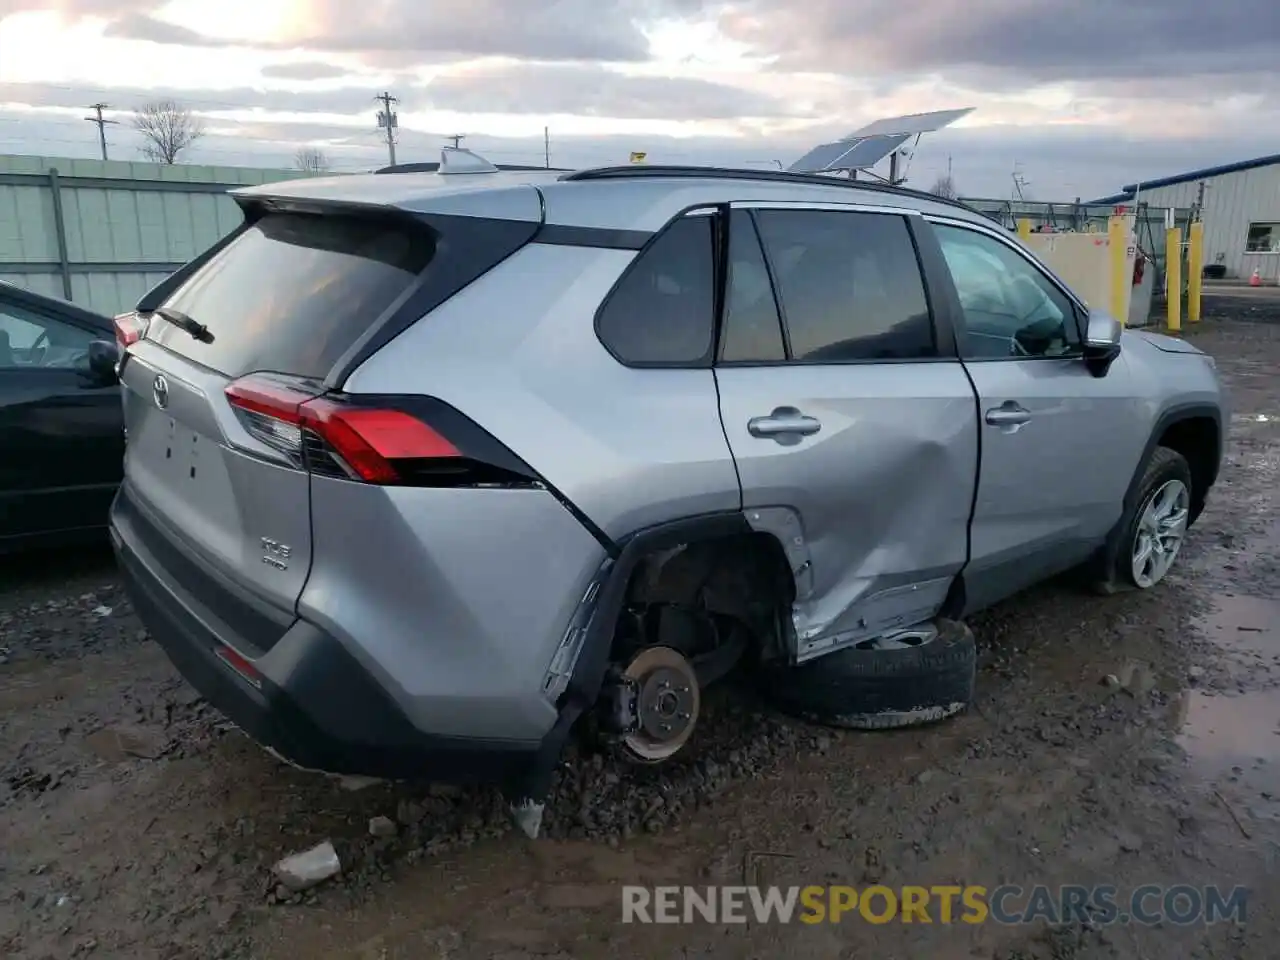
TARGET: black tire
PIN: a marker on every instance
(880, 689)
(1165, 465)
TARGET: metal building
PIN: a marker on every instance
(1240, 204)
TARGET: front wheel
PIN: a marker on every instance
(1157, 526)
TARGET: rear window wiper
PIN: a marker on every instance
(184, 322)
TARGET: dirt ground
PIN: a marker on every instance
(135, 824)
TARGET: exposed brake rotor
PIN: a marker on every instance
(666, 703)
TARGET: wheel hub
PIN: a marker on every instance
(1162, 526)
(667, 701)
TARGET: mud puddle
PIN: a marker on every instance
(1230, 726)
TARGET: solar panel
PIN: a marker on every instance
(820, 158)
(912, 124)
(848, 154)
(869, 151)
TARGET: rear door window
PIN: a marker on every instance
(849, 284)
(662, 312)
(295, 291)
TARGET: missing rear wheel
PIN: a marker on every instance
(657, 704)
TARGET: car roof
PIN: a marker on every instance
(12, 293)
(636, 197)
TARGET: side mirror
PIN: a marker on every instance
(104, 357)
(1101, 342)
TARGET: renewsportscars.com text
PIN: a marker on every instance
(1147, 905)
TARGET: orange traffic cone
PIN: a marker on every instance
(1255, 280)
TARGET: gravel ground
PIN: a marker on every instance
(136, 824)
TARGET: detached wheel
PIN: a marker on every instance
(904, 679)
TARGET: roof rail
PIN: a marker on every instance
(432, 166)
(640, 171)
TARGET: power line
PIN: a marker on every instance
(351, 155)
(206, 147)
(142, 94)
(293, 116)
(102, 124)
(204, 150)
(586, 153)
(388, 121)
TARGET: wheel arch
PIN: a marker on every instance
(1188, 428)
(593, 660)
(1194, 430)
(614, 580)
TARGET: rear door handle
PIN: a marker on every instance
(785, 425)
(1008, 414)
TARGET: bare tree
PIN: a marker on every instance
(167, 129)
(311, 160)
(944, 186)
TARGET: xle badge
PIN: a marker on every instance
(275, 554)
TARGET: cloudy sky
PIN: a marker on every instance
(1078, 97)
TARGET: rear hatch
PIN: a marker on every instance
(216, 491)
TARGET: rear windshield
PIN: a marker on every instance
(294, 292)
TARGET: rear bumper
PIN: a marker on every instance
(326, 713)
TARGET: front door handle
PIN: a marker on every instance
(785, 425)
(1008, 414)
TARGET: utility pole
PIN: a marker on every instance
(457, 139)
(387, 120)
(546, 147)
(1020, 183)
(102, 122)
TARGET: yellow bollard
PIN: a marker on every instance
(1173, 277)
(1024, 228)
(1118, 240)
(1195, 270)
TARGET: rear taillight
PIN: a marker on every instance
(130, 328)
(384, 440)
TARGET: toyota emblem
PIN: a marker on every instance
(160, 391)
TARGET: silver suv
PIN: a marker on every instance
(424, 467)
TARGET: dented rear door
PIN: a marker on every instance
(854, 431)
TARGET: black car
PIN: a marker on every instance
(61, 420)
